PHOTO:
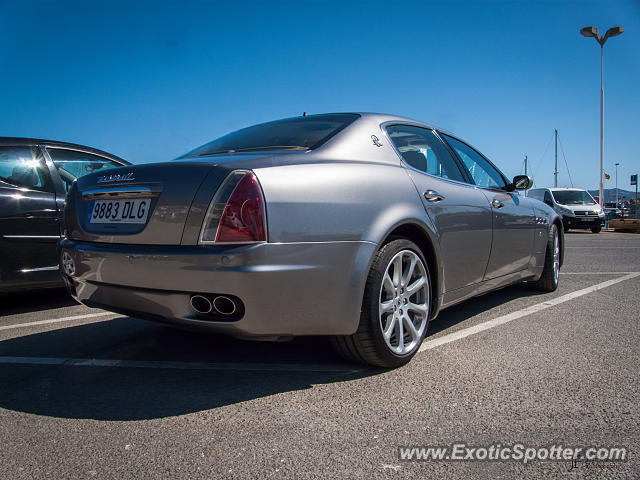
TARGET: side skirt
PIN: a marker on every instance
(477, 289)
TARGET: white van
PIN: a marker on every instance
(578, 208)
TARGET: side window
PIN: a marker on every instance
(24, 167)
(421, 149)
(72, 164)
(537, 194)
(483, 173)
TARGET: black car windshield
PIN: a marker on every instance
(298, 133)
(573, 197)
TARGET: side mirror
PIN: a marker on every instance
(522, 182)
(549, 202)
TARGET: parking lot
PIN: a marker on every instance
(91, 394)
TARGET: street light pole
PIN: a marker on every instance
(593, 32)
(601, 124)
(617, 184)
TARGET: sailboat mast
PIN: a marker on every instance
(555, 172)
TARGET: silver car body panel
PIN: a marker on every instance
(285, 287)
(328, 211)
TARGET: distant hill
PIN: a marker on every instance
(610, 194)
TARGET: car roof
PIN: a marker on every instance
(30, 142)
(388, 118)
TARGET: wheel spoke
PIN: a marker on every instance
(412, 266)
(387, 283)
(411, 327)
(397, 271)
(388, 329)
(400, 336)
(421, 308)
(386, 306)
(415, 286)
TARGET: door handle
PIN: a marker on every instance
(433, 196)
(495, 203)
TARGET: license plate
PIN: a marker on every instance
(120, 211)
(587, 219)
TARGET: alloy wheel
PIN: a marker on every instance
(404, 302)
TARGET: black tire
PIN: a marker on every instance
(368, 344)
(548, 281)
(597, 229)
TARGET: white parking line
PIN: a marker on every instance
(603, 247)
(245, 367)
(466, 332)
(56, 320)
(596, 273)
(283, 367)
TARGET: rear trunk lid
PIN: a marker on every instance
(142, 204)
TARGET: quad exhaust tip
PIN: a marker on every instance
(201, 304)
(220, 305)
(224, 305)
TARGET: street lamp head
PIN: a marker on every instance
(590, 32)
(613, 32)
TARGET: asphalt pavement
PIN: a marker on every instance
(90, 394)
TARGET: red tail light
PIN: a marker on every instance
(243, 218)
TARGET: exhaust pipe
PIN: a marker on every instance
(201, 304)
(224, 305)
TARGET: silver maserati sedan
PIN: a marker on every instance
(357, 226)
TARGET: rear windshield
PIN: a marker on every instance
(573, 197)
(299, 133)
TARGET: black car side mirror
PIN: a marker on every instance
(522, 182)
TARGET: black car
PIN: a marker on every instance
(35, 176)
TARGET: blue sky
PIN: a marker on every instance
(151, 80)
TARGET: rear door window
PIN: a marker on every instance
(72, 164)
(24, 167)
(421, 149)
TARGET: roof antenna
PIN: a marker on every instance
(304, 114)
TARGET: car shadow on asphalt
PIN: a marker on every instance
(125, 394)
(129, 393)
(29, 301)
(463, 311)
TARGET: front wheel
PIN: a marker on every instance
(395, 308)
(597, 229)
(548, 281)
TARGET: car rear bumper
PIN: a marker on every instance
(582, 222)
(285, 288)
